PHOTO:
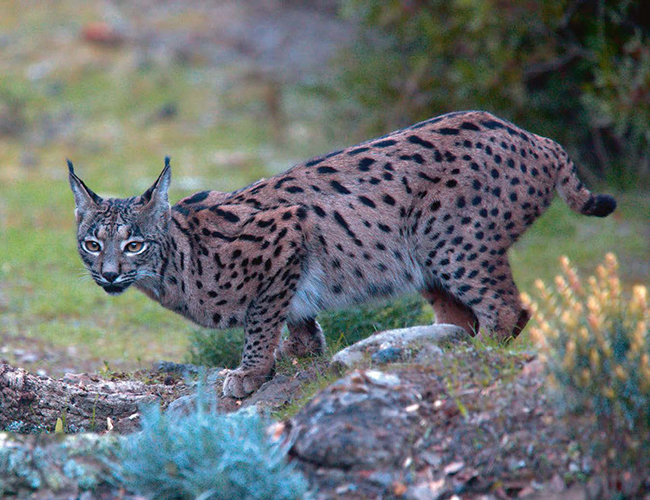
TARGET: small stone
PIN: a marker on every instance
(345, 489)
(29, 357)
(427, 491)
(454, 468)
(433, 459)
(515, 464)
(382, 379)
(382, 478)
(388, 355)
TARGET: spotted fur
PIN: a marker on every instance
(431, 208)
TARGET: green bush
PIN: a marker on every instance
(578, 72)
(342, 328)
(595, 345)
(207, 455)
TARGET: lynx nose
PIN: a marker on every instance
(110, 276)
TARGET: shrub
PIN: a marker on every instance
(596, 347)
(342, 328)
(65, 464)
(578, 72)
(207, 455)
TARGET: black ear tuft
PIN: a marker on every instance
(70, 166)
(158, 191)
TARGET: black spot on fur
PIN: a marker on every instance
(388, 199)
(424, 176)
(319, 211)
(364, 164)
(384, 144)
(446, 131)
(340, 188)
(469, 126)
(414, 139)
(492, 124)
(367, 201)
(316, 161)
(357, 151)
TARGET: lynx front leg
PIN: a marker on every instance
(264, 319)
(305, 339)
(263, 323)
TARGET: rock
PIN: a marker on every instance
(402, 339)
(431, 490)
(357, 423)
(454, 468)
(433, 459)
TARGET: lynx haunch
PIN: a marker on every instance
(431, 208)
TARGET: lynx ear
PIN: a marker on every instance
(156, 197)
(84, 198)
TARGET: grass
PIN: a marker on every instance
(98, 106)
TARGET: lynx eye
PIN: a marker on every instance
(134, 246)
(92, 246)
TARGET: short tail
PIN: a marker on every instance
(577, 196)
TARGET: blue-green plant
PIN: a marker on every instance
(207, 455)
(75, 463)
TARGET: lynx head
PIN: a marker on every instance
(119, 239)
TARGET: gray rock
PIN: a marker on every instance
(358, 423)
(404, 338)
(427, 491)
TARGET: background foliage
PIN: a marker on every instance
(576, 71)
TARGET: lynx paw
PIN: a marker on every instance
(241, 382)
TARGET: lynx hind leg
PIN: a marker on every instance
(451, 311)
(495, 302)
(305, 339)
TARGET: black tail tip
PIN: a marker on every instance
(599, 206)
